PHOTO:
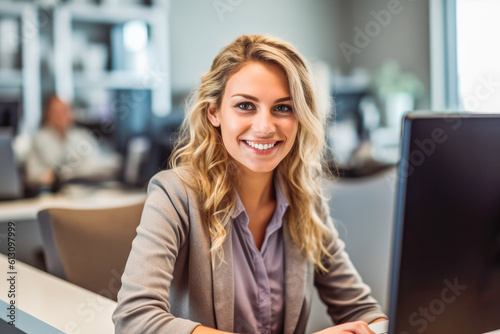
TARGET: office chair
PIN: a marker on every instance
(89, 247)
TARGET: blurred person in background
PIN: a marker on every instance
(61, 151)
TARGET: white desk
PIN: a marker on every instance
(59, 303)
(74, 196)
(381, 327)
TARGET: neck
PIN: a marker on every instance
(61, 133)
(255, 189)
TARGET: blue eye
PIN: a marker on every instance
(245, 106)
(283, 108)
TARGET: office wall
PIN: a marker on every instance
(199, 28)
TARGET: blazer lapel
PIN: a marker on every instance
(223, 287)
(295, 274)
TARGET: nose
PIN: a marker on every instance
(264, 124)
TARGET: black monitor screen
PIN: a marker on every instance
(9, 115)
(447, 249)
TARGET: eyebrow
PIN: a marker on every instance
(253, 98)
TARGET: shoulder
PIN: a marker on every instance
(173, 183)
(175, 179)
(171, 201)
(44, 133)
(45, 140)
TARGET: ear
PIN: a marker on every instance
(213, 115)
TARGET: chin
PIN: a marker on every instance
(261, 168)
(253, 166)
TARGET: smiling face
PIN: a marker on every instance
(256, 119)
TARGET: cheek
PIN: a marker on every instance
(291, 129)
(233, 127)
(230, 136)
(291, 134)
(231, 130)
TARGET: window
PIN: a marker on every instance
(478, 54)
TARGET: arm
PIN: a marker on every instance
(38, 170)
(342, 289)
(378, 320)
(143, 305)
(207, 330)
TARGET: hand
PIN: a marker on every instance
(357, 327)
(206, 330)
(47, 178)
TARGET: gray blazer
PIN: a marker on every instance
(169, 285)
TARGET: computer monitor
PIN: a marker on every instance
(446, 262)
(9, 115)
(10, 181)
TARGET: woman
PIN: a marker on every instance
(235, 235)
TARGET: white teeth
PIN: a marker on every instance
(260, 146)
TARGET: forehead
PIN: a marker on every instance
(56, 104)
(259, 79)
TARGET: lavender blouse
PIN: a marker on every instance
(259, 274)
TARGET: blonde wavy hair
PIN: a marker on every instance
(200, 147)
